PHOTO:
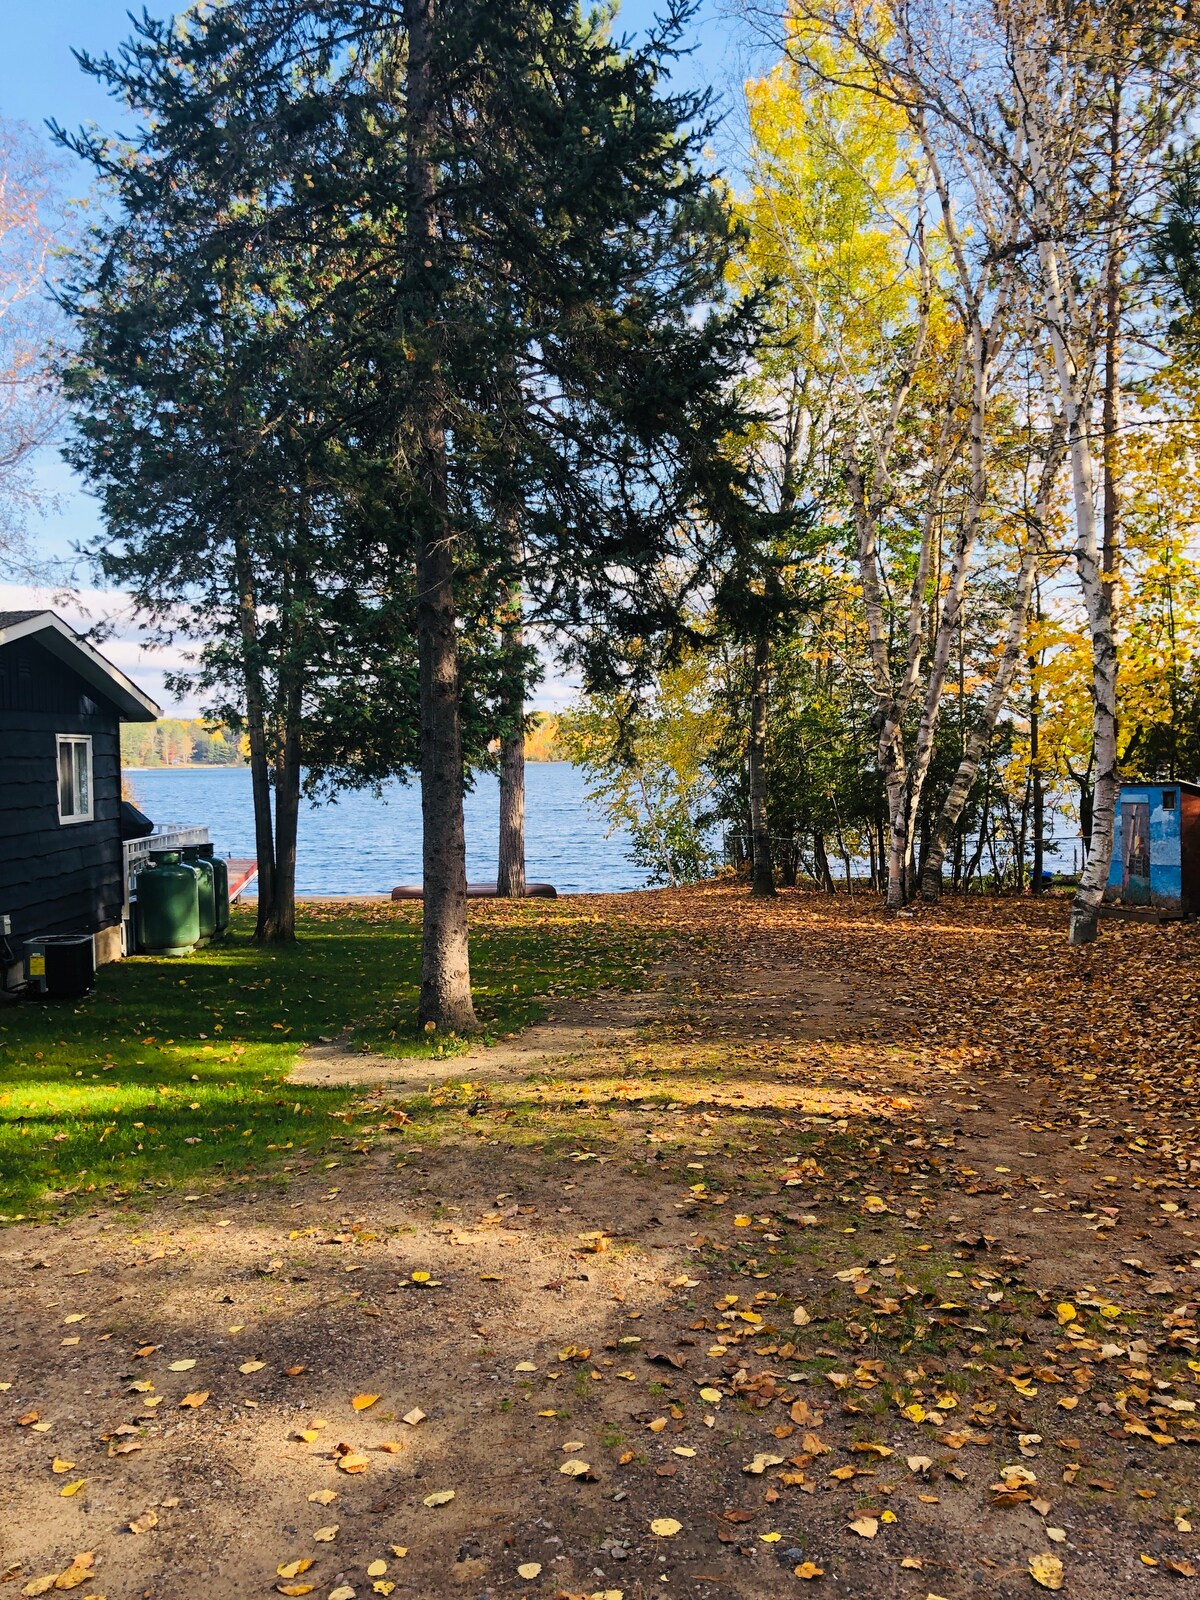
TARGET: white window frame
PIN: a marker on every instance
(75, 741)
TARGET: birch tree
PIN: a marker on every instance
(1056, 115)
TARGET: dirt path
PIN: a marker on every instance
(863, 1252)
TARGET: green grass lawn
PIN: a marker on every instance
(173, 1071)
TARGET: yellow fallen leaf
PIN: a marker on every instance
(1046, 1571)
(808, 1569)
(666, 1527)
(41, 1585)
(293, 1569)
(342, 1592)
(182, 1366)
(76, 1316)
(770, 1538)
(413, 1417)
(81, 1570)
(529, 1569)
(323, 1497)
(325, 1535)
(574, 1468)
(362, 1401)
(382, 1586)
(376, 1569)
(658, 1425)
(144, 1523)
(353, 1462)
(295, 1588)
(865, 1527)
(248, 1367)
(398, 1549)
(441, 1497)
(1065, 1312)
(711, 1397)
(59, 1465)
(887, 1516)
(683, 1450)
(196, 1398)
(68, 1489)
(800, 1317)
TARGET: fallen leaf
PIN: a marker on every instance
(865, 1527)
(248, 1367)
(182, 1366)
(376, 1569)
(666, 1527)
(143, 1524)
(353, 1462)
(362, 1401)
(197, 1398)
(529, 1569)
(1046, 1571)
(81, 1570)
(59, 1465)
(414, 1416)
(293, 1569)
(574, 1468)
(800, 1317)
(808, 1569)
(323, 1497)
(441, 1497)
(69, 1489)
(325, 1535)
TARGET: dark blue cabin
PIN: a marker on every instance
(61, 860)
(1156, 850)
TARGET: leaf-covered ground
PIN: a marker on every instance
(866, 1267)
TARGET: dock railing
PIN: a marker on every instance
(167, 836)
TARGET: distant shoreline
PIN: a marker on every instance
(244, 766)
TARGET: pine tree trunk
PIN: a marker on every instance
(510, 879)
(762, 881)
(279, 924)
(510, 868)
(256, 733)
(445, 967)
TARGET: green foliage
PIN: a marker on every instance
(644, 755)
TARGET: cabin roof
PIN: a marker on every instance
(1160, 783)
(53, 634)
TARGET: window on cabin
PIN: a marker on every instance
(1168, 799)
(74, 778)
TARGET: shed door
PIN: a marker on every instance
(1135, 852)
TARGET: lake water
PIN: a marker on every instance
(361, 845)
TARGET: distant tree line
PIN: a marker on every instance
(180, 742)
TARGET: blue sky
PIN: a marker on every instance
(41, 81)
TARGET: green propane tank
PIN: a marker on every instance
(220, 885)
(168, 906)
(207, 888)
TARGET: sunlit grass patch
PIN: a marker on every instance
(174, 1071)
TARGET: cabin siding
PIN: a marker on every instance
(1156, 848)
(55, 877)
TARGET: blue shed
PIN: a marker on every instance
(1156, 850)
